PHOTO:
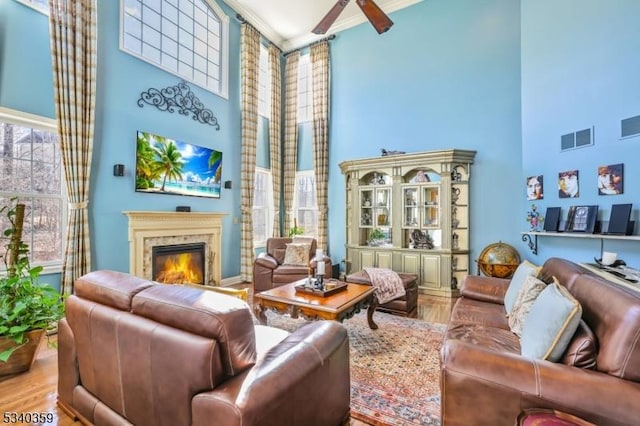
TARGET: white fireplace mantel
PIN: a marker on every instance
(145, 227)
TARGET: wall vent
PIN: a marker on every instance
(630, 127)
(576, 139)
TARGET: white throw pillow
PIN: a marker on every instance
(523, 270)
(551, 323)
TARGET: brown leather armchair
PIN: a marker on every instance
(269, 270)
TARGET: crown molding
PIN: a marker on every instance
(265, 29)
(308, 38)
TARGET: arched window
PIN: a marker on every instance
(188, 38)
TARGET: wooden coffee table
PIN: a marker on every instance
(338, 306)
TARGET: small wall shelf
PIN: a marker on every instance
(531, 237)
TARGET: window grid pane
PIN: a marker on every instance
(31, 170)
(262, 206)
(264, 84)
(305, 94)
(306, 207)
(152, 30)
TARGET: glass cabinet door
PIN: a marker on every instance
(382, 207)
(366, 208)
(375, 207)
(430, 206)
(410, 210)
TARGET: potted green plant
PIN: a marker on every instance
(295, 230)
(28, 308)
(376, 237)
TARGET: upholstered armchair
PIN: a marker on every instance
(286, 260)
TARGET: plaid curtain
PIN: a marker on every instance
(275, 138)
(250, 53)
(290, 134)
(73, 34)
(320, 68)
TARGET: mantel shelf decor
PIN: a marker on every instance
(180, 98)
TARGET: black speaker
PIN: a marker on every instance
(183, 208)
(227, 184)
(118, 169)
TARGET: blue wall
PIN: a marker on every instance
(580, 68)
(503, 77)
(26, 84)
(121, 79)
(447, 75)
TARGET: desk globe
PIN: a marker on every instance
(498, 260)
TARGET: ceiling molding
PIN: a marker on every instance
(265, 29)
(308, 38)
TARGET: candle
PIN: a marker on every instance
(320, 270)
(319, 255)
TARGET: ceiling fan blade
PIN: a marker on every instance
(330, 17)
(375, 15)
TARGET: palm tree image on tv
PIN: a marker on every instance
(167, 166)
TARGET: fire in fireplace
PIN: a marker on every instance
(178, 263)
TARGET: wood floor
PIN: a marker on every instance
(35, 391)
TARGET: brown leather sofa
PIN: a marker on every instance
(270, 272)
(134, 352)
(485, 380)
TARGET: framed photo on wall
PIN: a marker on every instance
(568, 184)
(582, 219)
(535, 188)
(610, 179)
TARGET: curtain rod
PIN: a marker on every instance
(328, 38)
(242, 20)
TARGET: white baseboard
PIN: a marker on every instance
(226, 282)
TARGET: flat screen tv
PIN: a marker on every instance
(168, 166)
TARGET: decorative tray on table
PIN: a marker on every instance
(331, 286)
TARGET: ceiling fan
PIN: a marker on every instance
(374, 14)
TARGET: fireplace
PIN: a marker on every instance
(178, 263)
(150, 229)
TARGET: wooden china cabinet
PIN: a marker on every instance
(410, 213)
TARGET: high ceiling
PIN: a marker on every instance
(288, 23)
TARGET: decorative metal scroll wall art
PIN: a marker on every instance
(179, 98)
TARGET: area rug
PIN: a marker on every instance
(395, 370)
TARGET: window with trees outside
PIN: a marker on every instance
(305, 203)
(188, 38)
(32, 172)
(262, 207)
